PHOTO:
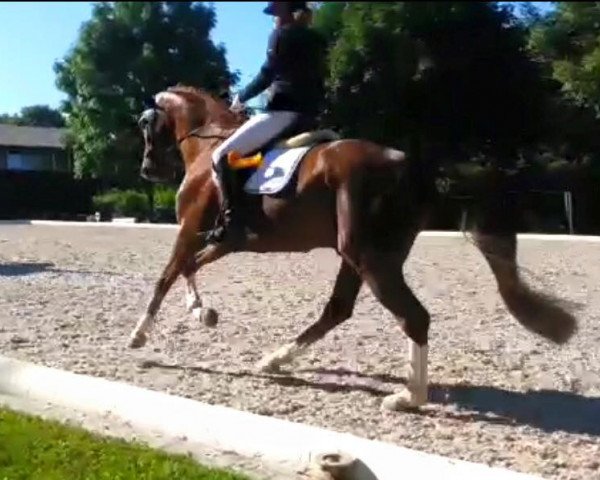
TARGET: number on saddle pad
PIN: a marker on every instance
(275, 171)
(276, 167)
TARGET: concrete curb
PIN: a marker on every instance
(171, 226)
(228, 430)
(58, 223)
(546, 237)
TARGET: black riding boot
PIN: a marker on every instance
(231, 228)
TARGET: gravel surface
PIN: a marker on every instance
(69, 297)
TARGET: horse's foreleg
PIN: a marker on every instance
(182, 253)
(194, 303)
(338, 309)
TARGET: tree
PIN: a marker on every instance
(35, 116)
(569, 40)
(7, 118)
(125, 53)
(567, 45)
(453, 74)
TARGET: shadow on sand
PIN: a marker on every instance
(21, 269)
(18, 269)
(547, 410)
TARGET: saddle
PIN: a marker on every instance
(277, 159)
(302, 133)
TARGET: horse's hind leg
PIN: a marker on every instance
(338, 309)
(382, 271)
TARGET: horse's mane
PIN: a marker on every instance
(216, 109)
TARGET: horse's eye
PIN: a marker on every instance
(143, 122)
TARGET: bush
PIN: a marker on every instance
(126, 203)
(164, 204)
(164, 198)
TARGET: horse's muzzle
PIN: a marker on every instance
(151, 174)
(147, 172)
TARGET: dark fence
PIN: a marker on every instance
(537, 211)
(58, 196)
(45, 195)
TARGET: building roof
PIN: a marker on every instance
(18, 136)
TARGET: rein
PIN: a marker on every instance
(196, 133)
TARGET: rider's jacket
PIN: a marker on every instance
(294, 71)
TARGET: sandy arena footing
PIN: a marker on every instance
(69, 297)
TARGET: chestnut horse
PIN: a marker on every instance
(359, 198)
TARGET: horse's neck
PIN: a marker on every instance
(199, 150)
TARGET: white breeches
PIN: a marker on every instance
(256, 132)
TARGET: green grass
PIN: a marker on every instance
(35, 449)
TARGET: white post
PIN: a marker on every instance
(463, 220)
(568, 199)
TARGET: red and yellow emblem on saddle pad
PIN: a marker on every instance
(237, 162)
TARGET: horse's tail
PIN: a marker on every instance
(538, 312)
(495, 236)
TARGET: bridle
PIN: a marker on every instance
(194, 133)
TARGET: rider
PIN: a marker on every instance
(294, 73)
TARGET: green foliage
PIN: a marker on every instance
(133, 203)
(569, 40)
(125, 53)
(35, 116)
(36, 448)
(328, 20)
(126, 203)
(453, 73)
(164, 198)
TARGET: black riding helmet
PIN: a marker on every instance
(293, 7)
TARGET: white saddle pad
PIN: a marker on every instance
(276, 171)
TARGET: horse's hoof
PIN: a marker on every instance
(402, 401)
(208, 316)
(138, 341)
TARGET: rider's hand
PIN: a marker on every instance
(236, 105)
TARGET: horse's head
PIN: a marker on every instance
(160, 141)
(177, 115)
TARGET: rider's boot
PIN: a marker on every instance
(231, 228)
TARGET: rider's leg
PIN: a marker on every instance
(231, 222)
(253, 134)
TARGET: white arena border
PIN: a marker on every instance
(278, 442)
(172, 226)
